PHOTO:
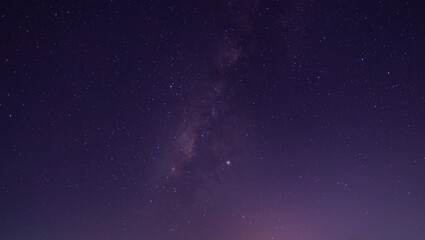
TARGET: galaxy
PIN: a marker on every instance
(212, 120)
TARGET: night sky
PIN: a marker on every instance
(212, 120)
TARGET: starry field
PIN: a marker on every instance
(212, 120)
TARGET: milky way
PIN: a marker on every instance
(208, 129)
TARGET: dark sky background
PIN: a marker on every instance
(212, 120)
